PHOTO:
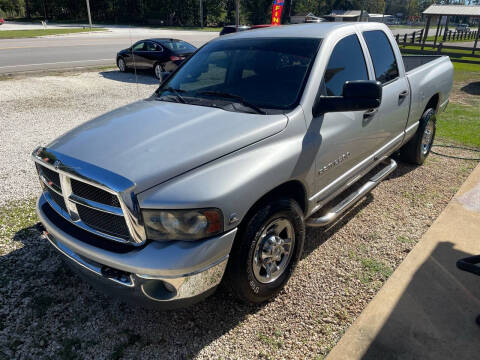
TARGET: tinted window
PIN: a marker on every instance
(382, 55)
(179, 46)
(269, 73)
(138, 46)
(228, 30)
(149, 46)
(346, 63)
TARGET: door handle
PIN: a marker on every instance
(403, 94)
(370, 113)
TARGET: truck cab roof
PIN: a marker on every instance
(310, 30)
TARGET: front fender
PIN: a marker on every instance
(234, 183)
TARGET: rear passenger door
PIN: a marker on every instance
(346, 138)
(393, 112)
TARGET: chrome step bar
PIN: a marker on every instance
(335, 212)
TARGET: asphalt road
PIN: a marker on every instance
(84, 49)
(81, 50)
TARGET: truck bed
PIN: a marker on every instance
(413, 61)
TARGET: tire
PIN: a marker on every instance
(246, 273)
(157, 71)
(122, 66)
(416, 150)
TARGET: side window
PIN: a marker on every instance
(138, 46)
(381, 52)
(149, 46)
(346, 63)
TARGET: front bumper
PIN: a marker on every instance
(165, 274)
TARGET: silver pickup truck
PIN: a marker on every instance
(216, 175)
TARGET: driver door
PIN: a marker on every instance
(345, 138)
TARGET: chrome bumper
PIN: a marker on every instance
(167, 275)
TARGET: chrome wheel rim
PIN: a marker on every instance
(158, 71)
(427, 138)
(121, 64)
(273, 250)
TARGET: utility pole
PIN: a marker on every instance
(201, 13)
(237, 13)
(89, 16)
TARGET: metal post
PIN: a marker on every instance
(427, 29)
(201, 13)
(361, 12)
(237, 13)
(438, 29)
(89, 16)
(446, 29)
(476, 40)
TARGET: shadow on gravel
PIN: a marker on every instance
(48, 311)
(472, 88)
(144, 77)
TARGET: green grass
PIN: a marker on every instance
(373, 269)
(16, 34)
(460, 124)
(17, 217)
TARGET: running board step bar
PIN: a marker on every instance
(350, 200)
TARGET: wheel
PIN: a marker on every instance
(266, 250)
(418, 148)
(158, 69)
(121, 64)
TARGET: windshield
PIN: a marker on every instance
(178, 46)
(266, 73)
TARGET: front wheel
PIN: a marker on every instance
(418, 148)
(121, 64)
(267, 248)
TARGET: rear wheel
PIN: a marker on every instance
(267, 248)
(158, 69)
(122, 66)
(418, 148)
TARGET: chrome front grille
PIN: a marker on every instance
(93, 193)
(107, 223)
(85, 205)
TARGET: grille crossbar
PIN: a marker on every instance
(89, 207)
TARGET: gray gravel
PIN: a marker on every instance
(36, 110)
(48, 312)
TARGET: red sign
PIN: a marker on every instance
(277, 12)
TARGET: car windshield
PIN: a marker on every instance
(267, 73)
(178, 46)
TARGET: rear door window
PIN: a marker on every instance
(383, 58)
(346, 63)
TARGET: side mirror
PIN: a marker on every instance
(164, 75)
(357, 96)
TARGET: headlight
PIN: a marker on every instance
(182, 224)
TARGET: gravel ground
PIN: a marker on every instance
(47, 312)
(36, 110)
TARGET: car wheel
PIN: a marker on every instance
(121, 64)
(158, 69)
(418, 148)
(266, 250)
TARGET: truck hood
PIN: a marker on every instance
(149, 142)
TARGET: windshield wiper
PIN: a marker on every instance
(240, 99)
(176, 92)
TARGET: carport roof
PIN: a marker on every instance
(453, 10)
